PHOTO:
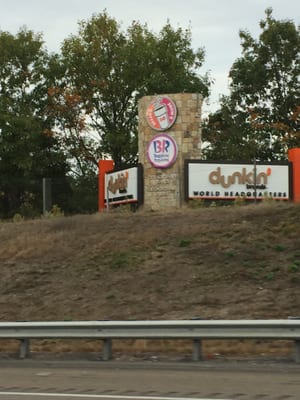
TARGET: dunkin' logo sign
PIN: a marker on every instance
(229, 181)
(243, 177)
(161, 113)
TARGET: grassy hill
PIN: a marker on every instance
(222, 262)
(215, 263)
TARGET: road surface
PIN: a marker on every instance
(43, 380)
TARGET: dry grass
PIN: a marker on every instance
(214, 263)
(211, 349)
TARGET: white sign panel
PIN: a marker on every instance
(121, 186)
(229, 181)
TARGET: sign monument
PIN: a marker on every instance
(169, 133)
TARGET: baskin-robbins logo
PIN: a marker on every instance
(162, 150)
(161, 113)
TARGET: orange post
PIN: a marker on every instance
(103, 167)
(294, 158)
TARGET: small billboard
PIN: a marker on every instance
(123, 186)
(228, 181)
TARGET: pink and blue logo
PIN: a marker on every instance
(162, 151)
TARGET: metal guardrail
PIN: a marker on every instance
(197, 330)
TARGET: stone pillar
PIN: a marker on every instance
(164, 187)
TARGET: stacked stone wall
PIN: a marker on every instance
(164, 187)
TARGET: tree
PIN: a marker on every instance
(28, 151)
(108, 70)
(226, 136)
(265, 90)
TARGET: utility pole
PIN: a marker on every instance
(47, 195)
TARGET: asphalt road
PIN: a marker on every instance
(42, 380)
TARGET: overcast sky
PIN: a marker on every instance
(215, 24)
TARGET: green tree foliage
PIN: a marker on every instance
(107, 71)
(28, 151)
(263, 108)
(226, 136)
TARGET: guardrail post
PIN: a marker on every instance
(24, 348)
(297, 351)
(197, 350)
(107, 349)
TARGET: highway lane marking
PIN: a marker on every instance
(100, 396)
